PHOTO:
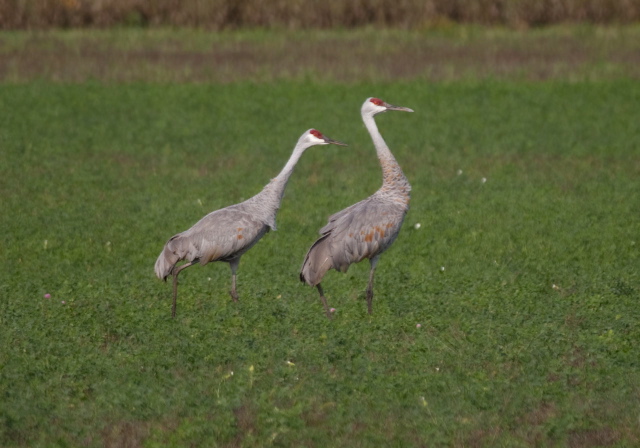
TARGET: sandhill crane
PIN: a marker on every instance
(365, 229)
(226, 234)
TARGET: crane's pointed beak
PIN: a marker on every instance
(400, 108)
(334, 142)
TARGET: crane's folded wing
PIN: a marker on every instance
(223, 235)
(363, 230)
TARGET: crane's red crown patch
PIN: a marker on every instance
(315, 133)
(376, 101)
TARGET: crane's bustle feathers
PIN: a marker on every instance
(316, 263)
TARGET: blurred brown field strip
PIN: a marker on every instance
(162, 55)
(299, 14)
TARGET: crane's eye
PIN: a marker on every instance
(376, 101)
(315, 133)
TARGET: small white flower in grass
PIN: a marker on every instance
(554, 286)
(484, 180)
(441, 268)
(459, 172)
(47, 296)
(416, 226)
(63, 302)
(200, 202)
(209, 278)
(332, 310)
(418, 325)
(45, 244)
(437, 369)
(289, 363)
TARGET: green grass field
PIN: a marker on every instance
(523, 273)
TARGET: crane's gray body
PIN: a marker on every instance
(225, 234)
(361, 231)
(367, 228)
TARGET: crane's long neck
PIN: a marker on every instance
(394, 180)
(279, 183)
(269, 199)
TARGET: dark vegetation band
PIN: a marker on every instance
(297, 14)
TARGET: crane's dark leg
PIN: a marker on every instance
(234, 268)
(175, 271)
(374, 262)
(324, 301)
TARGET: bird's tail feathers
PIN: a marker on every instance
(317, 262)
(173, 252)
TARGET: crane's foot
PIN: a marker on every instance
(324, 302)
(326, 308)
(370, 301)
